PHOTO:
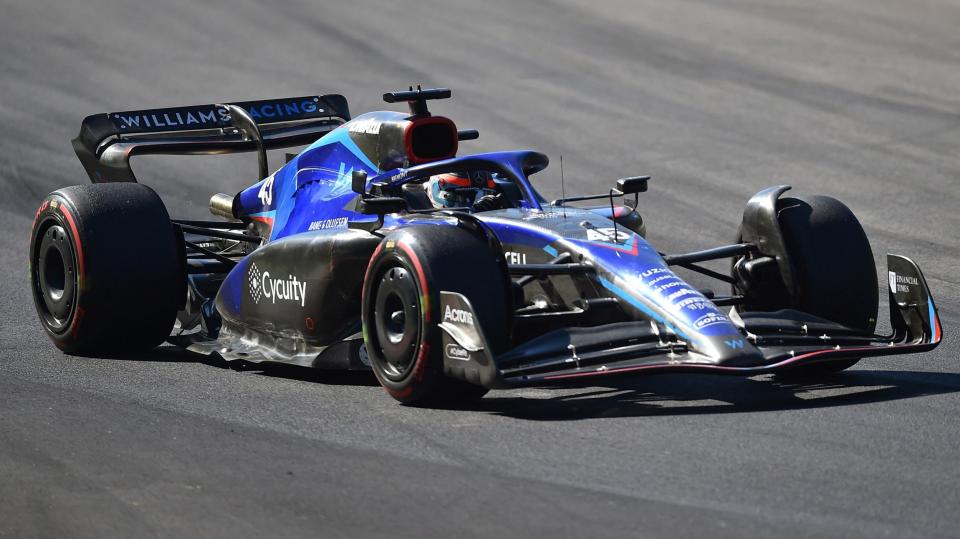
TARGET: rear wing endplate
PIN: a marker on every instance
(107, 141)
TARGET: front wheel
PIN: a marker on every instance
(833, 269)
(401, 309)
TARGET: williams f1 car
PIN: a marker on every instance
(378, 247)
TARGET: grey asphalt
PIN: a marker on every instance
(858, 99)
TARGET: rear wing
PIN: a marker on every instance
(107, 141)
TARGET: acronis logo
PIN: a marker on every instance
(210, 117)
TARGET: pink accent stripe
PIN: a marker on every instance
(937, 331)
(76, 239)
(420, 275)
(719, 368)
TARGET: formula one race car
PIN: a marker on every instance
(376, 247)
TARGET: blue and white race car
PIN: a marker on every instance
(378, 247)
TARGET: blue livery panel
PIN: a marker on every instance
(627, 267)
(313, 192)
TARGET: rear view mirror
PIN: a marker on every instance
(635, 184)
(360, 182)
(382, 205)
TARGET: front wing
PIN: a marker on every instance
(787, 339)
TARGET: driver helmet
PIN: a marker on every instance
(459, 189)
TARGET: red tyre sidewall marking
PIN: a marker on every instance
(421, 276)
(43, 206)
(419, 366)
(363, 290)
(401, 394)
(33, 228)
(420, 362)
(76, 240)
(75, 325)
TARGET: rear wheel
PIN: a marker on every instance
(106, 268)
(401, 304)
(833, 268)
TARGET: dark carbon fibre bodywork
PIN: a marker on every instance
(301, 295)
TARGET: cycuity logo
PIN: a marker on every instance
(263, 286)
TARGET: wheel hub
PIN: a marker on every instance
(54, 278)
(397, 320)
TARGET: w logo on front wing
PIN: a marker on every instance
(735, 344)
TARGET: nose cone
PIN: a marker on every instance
(733, 350)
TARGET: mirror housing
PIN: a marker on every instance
(359, 180)
(468, 134)
(633, 184)
(381, 205)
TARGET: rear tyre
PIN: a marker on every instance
(401, 306)
(106, 269)
(833, 267)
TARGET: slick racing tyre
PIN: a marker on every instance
(401, 306)
(833, 268)
(107, 269)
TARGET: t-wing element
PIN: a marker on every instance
(107, 141)
(417, 99)
(246, 125)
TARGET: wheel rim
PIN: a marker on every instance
(397, 321)
(54, 278)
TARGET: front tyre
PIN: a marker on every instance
(833, 269)
(401, 309)
(833, 264)
(106, 269)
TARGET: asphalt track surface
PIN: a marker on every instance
(855, 99)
